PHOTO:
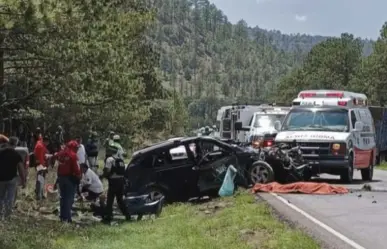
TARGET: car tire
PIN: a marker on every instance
(155, 193)
(346, 175)
(260, 172)
(368, 173)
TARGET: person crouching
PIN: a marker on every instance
(69, 176)
(90, 184)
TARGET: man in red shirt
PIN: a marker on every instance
(69, 176)
(40, 152)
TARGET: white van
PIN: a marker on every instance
(335, 130)
(262, 124)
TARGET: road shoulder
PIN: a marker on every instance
(293, 218)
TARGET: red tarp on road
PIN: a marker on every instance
(301, 187)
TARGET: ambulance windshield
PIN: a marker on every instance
(317, 120)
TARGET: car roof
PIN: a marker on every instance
(176, 142)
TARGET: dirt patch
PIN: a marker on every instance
(253, 238)
(214, 206)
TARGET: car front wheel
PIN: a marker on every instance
(154, 193)
(261, 172)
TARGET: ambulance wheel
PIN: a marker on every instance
(347, 175)
(368, 173)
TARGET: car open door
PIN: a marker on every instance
(212, 166)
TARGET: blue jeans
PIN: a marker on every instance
(67, 188)
(7, 197)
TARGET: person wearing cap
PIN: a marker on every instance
(117, 143)
(90, 184)
(11, 173)
(114, 170)
(108, 143)
(69, 176)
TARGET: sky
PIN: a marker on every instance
(363, 18)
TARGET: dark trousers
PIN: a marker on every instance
(115, 191)
(67, 188)
(91, 196)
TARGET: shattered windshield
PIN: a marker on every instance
(267, 120)
(317, 120)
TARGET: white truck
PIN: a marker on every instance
(233, 121)
(262, 125)
(335, 130)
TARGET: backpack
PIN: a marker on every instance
(118, 167)
(92, 149)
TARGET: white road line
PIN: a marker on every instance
(317, 222)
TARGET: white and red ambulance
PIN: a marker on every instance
(335, 130)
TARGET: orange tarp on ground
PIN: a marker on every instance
(301, 187)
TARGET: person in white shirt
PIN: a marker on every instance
(81, 153)
(90, 183)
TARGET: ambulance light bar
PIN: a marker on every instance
(342, 103)
(328, 94)
(359, 102)
(335, 95)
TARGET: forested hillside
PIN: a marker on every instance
(211, 62)
(302, 43)
(145, 73)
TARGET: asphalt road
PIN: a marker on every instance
(360, 216)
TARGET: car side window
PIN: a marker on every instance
(353, 119)
(161, 159)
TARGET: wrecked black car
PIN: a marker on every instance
(183, 168)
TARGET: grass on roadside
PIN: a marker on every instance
(229, 223)
(382, 166)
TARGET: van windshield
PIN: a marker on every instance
(317, 120)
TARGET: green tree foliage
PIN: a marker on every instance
(332, 64)
(84, 64)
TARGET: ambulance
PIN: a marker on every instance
(335, 130)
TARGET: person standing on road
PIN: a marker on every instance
(69, 176)
(114, 171)
(11, 173)
(92, 149)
